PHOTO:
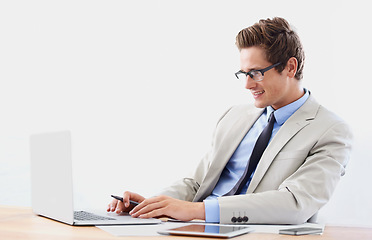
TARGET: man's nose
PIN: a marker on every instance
(249, 83)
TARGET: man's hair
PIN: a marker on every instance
(278, 40)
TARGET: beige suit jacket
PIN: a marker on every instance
(296, 175)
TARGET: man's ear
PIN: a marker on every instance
(292, 67)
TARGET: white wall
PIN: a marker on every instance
(141, 85)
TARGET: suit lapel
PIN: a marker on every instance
(230, 141)
(293, 125)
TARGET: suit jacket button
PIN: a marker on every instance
(245, 219)
(233, 219)
(240, 219)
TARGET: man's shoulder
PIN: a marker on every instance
(321, 118)
(320, 112)
(325, 113)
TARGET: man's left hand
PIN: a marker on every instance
(161, 206)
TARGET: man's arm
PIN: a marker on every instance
(186, 188)
(174, 201)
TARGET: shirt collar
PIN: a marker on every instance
(282, 114)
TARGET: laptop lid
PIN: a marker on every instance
(51, 176)
(52, 184)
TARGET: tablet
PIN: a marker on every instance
(301, 231)
(208, 230)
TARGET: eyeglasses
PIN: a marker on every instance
(256, 75)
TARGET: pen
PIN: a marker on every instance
(121, 199)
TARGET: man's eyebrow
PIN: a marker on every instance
(254, 68)
(251, 69)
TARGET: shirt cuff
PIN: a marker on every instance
(212, 211)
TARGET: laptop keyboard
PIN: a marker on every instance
(87, 216)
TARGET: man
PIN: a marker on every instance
(296, 173)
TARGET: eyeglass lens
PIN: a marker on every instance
(255, 75)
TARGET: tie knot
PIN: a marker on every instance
(272, 118)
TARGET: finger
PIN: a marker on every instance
(148, 208)
(138, 207)
(112, 206)
(155, 213)
(126, 198)
(142, 205)
(119, 207)
(148, 205)
(131, 196)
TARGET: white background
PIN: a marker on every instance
(141, 85)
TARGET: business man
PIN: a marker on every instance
(278, 161)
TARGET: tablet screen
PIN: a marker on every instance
(209, 230)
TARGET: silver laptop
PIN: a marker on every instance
(52, 188)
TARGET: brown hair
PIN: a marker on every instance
(278, 40)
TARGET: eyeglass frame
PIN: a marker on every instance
(262, 71)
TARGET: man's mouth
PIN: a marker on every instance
(258, 93)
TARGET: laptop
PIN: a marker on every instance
(52, 185)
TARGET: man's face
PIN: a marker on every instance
(276, 89)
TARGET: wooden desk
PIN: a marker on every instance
(21, 223)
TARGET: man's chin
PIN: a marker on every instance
(259, 104)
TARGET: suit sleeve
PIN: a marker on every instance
(304, 192)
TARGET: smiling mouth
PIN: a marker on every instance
(258, 93)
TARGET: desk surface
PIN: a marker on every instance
(21, 223)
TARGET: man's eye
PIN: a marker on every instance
(256, 73)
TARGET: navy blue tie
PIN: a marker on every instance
(257, 152)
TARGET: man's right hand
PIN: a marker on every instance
(125, 206)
